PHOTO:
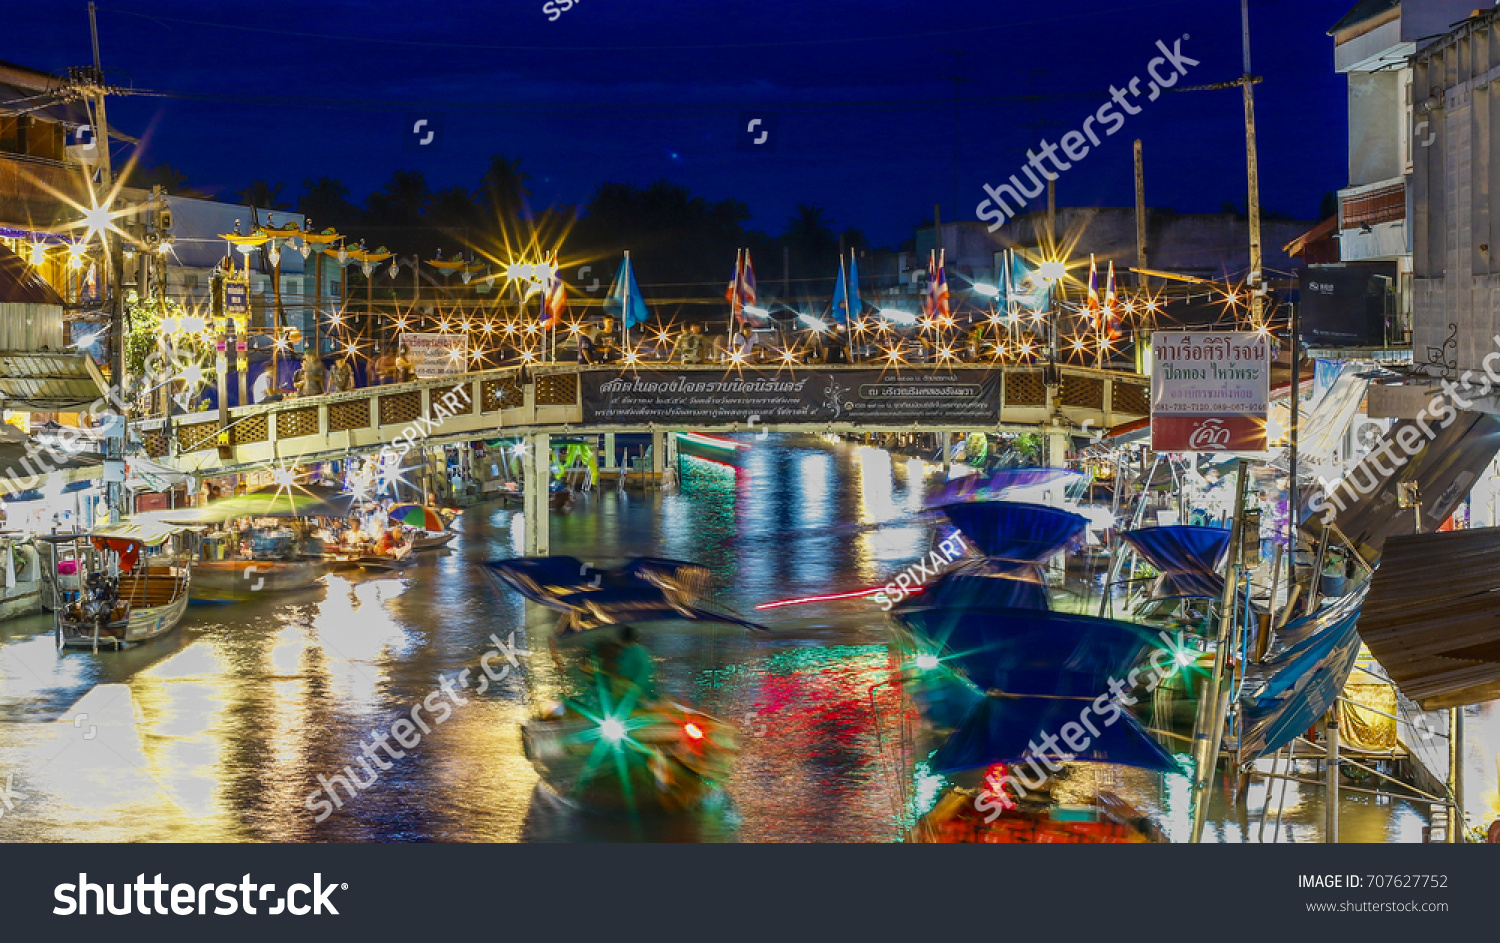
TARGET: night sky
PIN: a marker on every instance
(859, 94)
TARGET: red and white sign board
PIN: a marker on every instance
(1210, 391)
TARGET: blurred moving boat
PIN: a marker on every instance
(657, 756)
(240, 580)
(615, 745)
(120, 585)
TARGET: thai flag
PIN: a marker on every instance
(940, 287)
(1095, 311)
(1113, 322)
(935, 305)
(742, 288)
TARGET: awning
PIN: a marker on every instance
(1432, 618)
(49, 381)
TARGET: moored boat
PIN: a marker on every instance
(131, 584)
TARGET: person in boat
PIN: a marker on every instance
(630, 667)
(387, 543)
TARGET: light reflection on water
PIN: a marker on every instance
(220, 731)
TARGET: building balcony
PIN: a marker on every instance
(1372, 221)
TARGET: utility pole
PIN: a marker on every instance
(114, 443)
(1140, 214)
(1252, 206)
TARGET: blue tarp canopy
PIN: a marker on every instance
(1187, 556)
(982, 584)
(1029, 651)
(1010, 484)
(1306, 678)
(1003, 729)
(1014, 531)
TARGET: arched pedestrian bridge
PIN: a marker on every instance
(657, 398)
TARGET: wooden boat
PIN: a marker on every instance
(430, 540)
(131, 584)
(240, 580)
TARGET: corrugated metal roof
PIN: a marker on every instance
(46, 381)
(1431, 617)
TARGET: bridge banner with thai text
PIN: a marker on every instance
(932, 398)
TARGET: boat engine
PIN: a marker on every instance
(100, 596)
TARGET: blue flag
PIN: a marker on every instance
(624, 300)
(1025, 288)
(846, 295)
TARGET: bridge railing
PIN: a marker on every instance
(510, 401)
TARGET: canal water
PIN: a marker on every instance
(220, 731)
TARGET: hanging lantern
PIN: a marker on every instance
(343, 255)
(38, 254)
(368, 269)
(274, 255)
(305, 249)
(394, 269)
(294, 335)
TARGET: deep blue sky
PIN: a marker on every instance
(639, 91)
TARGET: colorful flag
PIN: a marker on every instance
(624, 300)
(747, 283)
(732, 295)
(1094, 307)
(940, 298)
(1112, 324)
(936, 304)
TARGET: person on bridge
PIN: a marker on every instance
(314, 378)
(691, 346)
(385, 368)
(741, 343)
(343, 377)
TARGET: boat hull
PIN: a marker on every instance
(141, 625)
(240, 580)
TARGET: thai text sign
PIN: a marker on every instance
(236, 297)
(437, 355)
(1209, 391)
(954, 397)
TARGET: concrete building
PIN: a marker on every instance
(1372, 46)
(1455, 232)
